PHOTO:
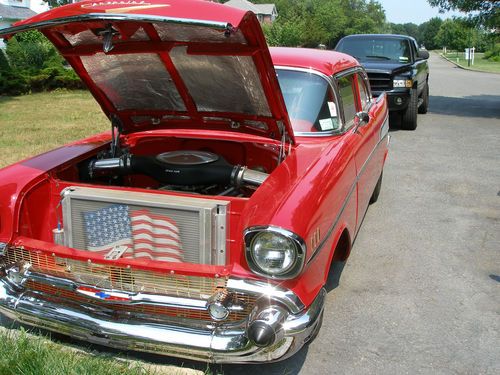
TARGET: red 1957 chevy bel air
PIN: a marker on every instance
(204, 224)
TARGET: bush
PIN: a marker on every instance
(493, 54)
(34, 65)
(12, 83)
(4, 63)
(31, 51)
(55, 78)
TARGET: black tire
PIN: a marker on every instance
(425, 100)
(409, 118)
(376, 191)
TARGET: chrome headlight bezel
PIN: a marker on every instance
(297, 241)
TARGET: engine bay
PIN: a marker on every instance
(186, 165)
(191, 171)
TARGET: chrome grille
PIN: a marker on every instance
(118, 278)
(148, 311)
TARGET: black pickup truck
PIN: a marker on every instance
(395, 65)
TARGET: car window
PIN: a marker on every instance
(364, 93)
(309, 100)
(347, 95)
(373, 48)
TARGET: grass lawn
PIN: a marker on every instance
(32, 355)
(479, 62)
(32, 124)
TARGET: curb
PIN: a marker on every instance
(465, 68)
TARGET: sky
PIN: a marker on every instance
(416, 11)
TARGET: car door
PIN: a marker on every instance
(355, 95)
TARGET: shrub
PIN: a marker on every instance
(30, 51)
(55, 78)
(4, 63)
(12, 83)
(493, 54)
(34, 65)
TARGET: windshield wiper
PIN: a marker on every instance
(378, 57)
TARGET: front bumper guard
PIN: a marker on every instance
(216, 344)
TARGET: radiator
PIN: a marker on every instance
(202, 223)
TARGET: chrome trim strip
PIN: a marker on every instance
(267, 291)
(300, 247)
(335, 78)
(217, 344)
(113, 17)
(346, 72)
(344, 205)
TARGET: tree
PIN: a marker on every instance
(286, 34)
(409, 29)
(452, 34)
(309, 23)
(428, 31)
(488, 10)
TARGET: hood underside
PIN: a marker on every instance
(166, 64)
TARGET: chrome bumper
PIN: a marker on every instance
(217, 344)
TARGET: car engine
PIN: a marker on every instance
(190, 171)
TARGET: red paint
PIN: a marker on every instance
(318, 184)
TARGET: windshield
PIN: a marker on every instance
(395, 50)
(310, 104)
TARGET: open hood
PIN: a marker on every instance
(163, 64)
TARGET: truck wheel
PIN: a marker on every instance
(409, 118)
(425, 100)
(376, 191)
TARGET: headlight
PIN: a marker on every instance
(402, 83)
(274, 252)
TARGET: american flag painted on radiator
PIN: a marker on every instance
(145, 234)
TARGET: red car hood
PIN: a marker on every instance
(170, 64)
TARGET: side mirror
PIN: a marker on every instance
(361, 119)
(423, 54)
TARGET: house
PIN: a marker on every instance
(266, 13)
(15, 10)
